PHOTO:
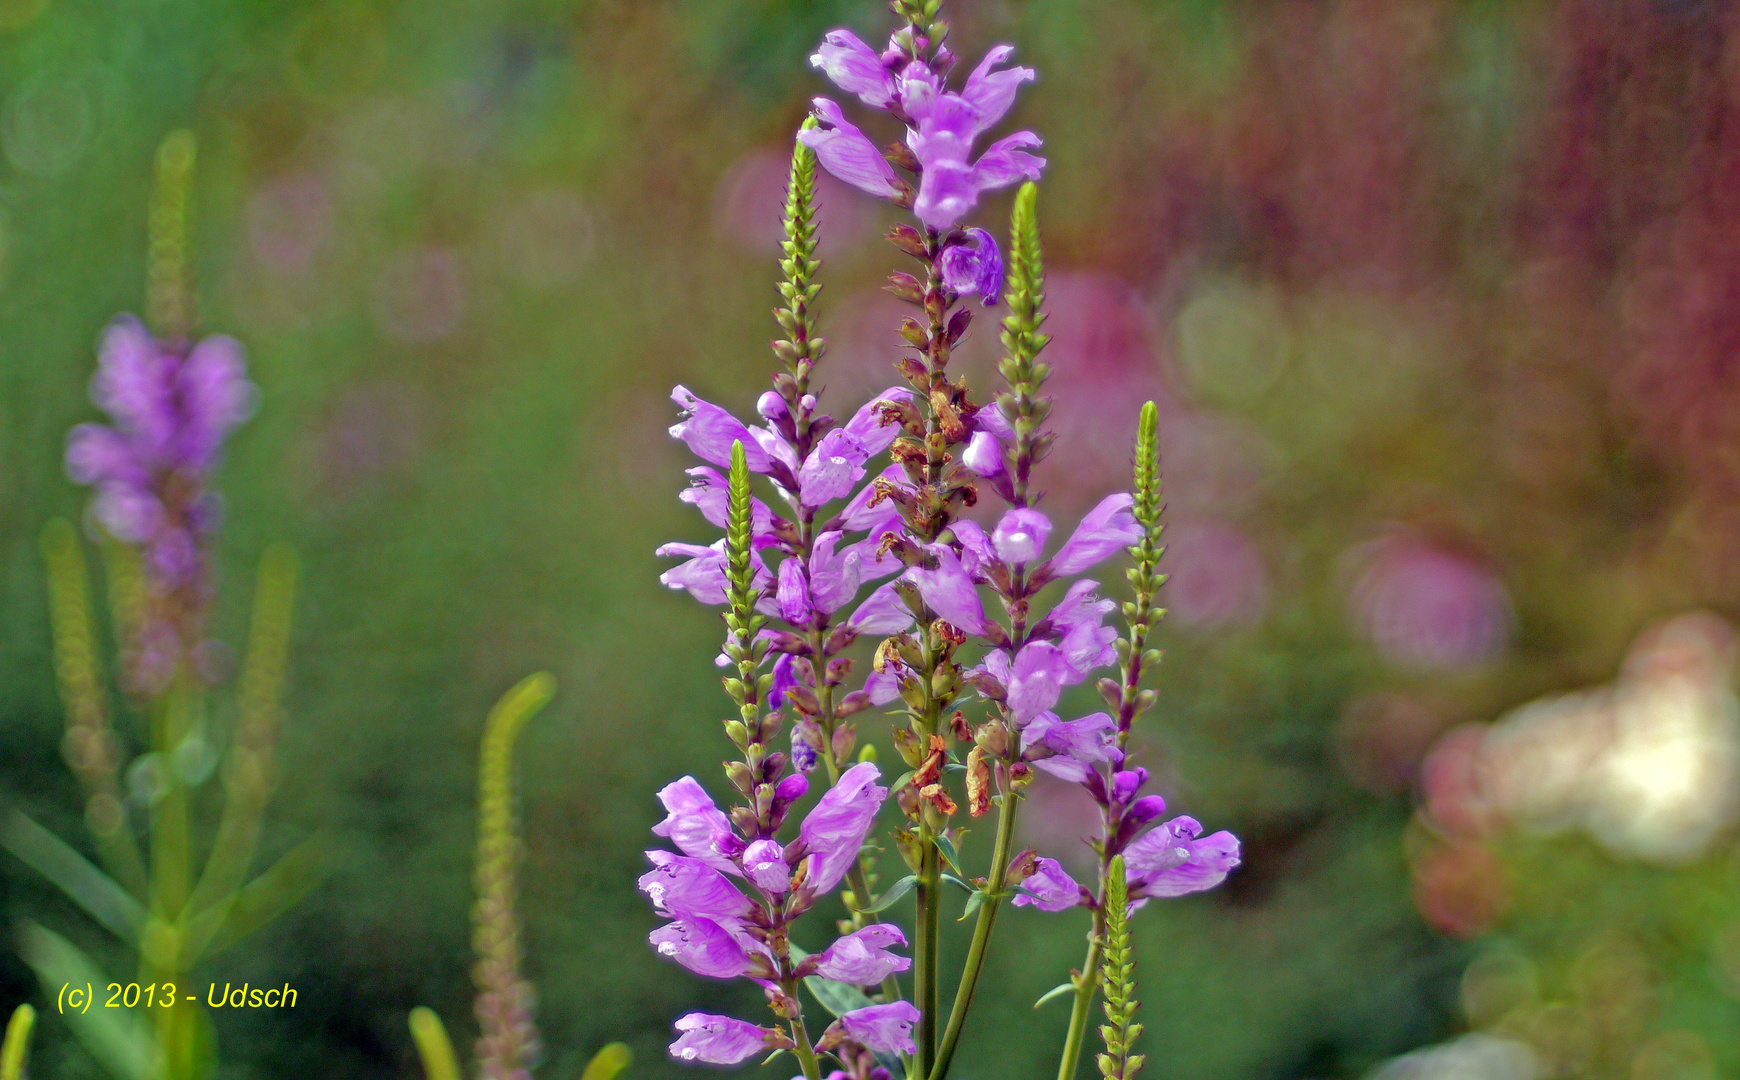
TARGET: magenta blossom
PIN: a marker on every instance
(704, 947)
(695, 824)
(709, 431)
(862, 958)
(848, 153)
(974, 266)
(949, 590)
(835, 829)
(721, 1040)
(1049, 889)
(885, 1028)
(855, 68)
(1107, 529)
(1169, 860)
(171, 408)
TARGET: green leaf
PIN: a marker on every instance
(118, 1038)
(973, 903)
(90, 888)
(895, 891)
(947, 847)
(953, 880)
(836, 997)
(1055, 992)
(261, 900)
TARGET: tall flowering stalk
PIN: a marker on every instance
(171, 403)
(977, 690)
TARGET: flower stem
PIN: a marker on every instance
(981, 936)
(806, 1054)
(1085, 985)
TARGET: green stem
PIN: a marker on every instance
(806, 1053)
(981, 937)
(1085, 986)
(925, 950)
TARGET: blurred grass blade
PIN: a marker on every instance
(261, 900)
(433, 1046)
(90, 888)
(609, 1062)
(117, 1038)
(17, 1045)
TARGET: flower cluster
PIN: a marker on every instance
(171, 406)
(793, 572)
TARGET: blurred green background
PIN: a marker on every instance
(1441, 302)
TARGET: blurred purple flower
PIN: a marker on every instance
(171, 409)
(1217, 577)
(1428, 607)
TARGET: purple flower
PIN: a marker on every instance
(1106, 529)
(855, 68)
(847, 153)
(704, 947)
(709, 493)
(709, 431)
(686, 888)
(887, 1028)
(984, 453)
(806, 739)
(793, 593)
(1086, 644)
(859, 514)
(720, 1040)
(1169, 860)
(171, 408)
(1035, 680)
(1021, 535)
(883, 612)
(1092, 740)
(694, 823)
(866, 424)
(974, 266)
(703, 575)
(835, 829)
(834, 465)
(949, 590)
(834, 575)
(1049, 889)
(862, 958)
(764, 863)
(784, 678)
(947, 125)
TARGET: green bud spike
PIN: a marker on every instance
(17, 1045)
(1020, 368)
(433, 1046)
(799, 265)
(1147, 486)
(1117, 975)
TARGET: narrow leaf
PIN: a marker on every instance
(895, 891)
(17, 1045)
(1055, 992)
(609, 1062)
(261, 900)
(117, 1038)
(947, 847)
(90, 888)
